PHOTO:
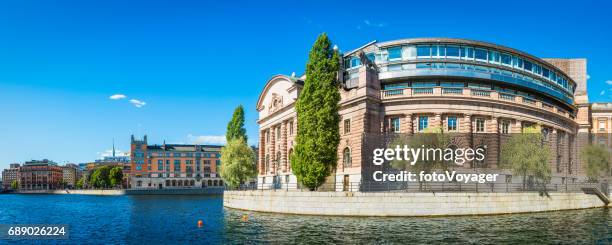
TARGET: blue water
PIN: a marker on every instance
(173, 219)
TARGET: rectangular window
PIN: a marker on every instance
(505, 129)
(452, 123)
(506, 59)
(177, 165)
(545, 72)
(481, 54)
(452, 52)
(409, 52)
(467, 53)
(441, 51)
(395, 125)
(355, 62)
(527, 65)
(177, 154)
(291, 128)
(347, 126)
(395, 53)
(602, 126)
(493, 57)
(278, 134)
(480, 125)
(160, 165)
(423, 52)
(423, 122)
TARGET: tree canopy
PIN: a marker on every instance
(597, 160)
(527, 155)
(315, 152)
(235, 127)
(237, 162)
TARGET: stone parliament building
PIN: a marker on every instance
(461, 86)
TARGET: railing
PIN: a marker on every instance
(529, 101)
(422, 91)
(452, 90)
(505, 96)
(371, 186)
(393, 92)
(481, 93)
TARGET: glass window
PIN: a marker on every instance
(452, 52)
(493, 57)
(423, 52)
(347, 157)
(545, 72)
(506, 59)
(424, 84)
(441, 51)
(452, 84)
(480, 125)
(452, 123)
(423, 121)
(527, 65)
(355, 62)
(602, 126)
(481, 54)
(395, 86)
(347, 126)
(467, 53)
(395, 125)
(409, 52)
(395, 53)
(505, 129)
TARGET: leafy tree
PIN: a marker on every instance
(597, 160)
(79, 184)
(15, 185)
(526, 155)
(100, 177)
(237, 161)
(318, 120)
(235, 127)
(116, 176)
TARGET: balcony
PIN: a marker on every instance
(400, 93)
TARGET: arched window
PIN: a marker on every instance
(209, 182)
(347, 160)
(192, 183)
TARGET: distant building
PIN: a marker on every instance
(9, 175)
(71, 174)
(40, 175)
(174, 165)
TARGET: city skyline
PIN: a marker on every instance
(176, 71)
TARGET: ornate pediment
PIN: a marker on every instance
(276, 103)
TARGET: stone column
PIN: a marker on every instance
(466, 124)
(283, 147)
(273, 149)
(437, 122)
(407, 124)
(262, 151)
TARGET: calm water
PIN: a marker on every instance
(155, 219)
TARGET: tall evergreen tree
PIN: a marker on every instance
(318, 120)
(235, 127)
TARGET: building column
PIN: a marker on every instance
(262, 152)
(466, 124)
(272, 155)
(407, 124)
(283, 147)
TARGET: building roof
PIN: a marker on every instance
(181, 147)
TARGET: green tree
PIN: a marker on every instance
(597, 160)
(116, 176)
(15, 185)
(79, 184)
(237, 161)
(318, 120)
(100, 177)
(235, 127)
(526, 154)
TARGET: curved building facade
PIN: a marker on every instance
(461, 86)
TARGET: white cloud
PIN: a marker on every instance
(137, 103)
(109, 153)
(602, 92)
(369, 23)
(588, 76)
(117, 96)
(207, 139)
(609, 82)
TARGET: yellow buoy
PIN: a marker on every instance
(200, 223)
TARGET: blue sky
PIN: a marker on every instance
(192, 62)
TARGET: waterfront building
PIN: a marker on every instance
(461, 86)
(174, 165)
(71, 173)
(9, 175)
(40, 175)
